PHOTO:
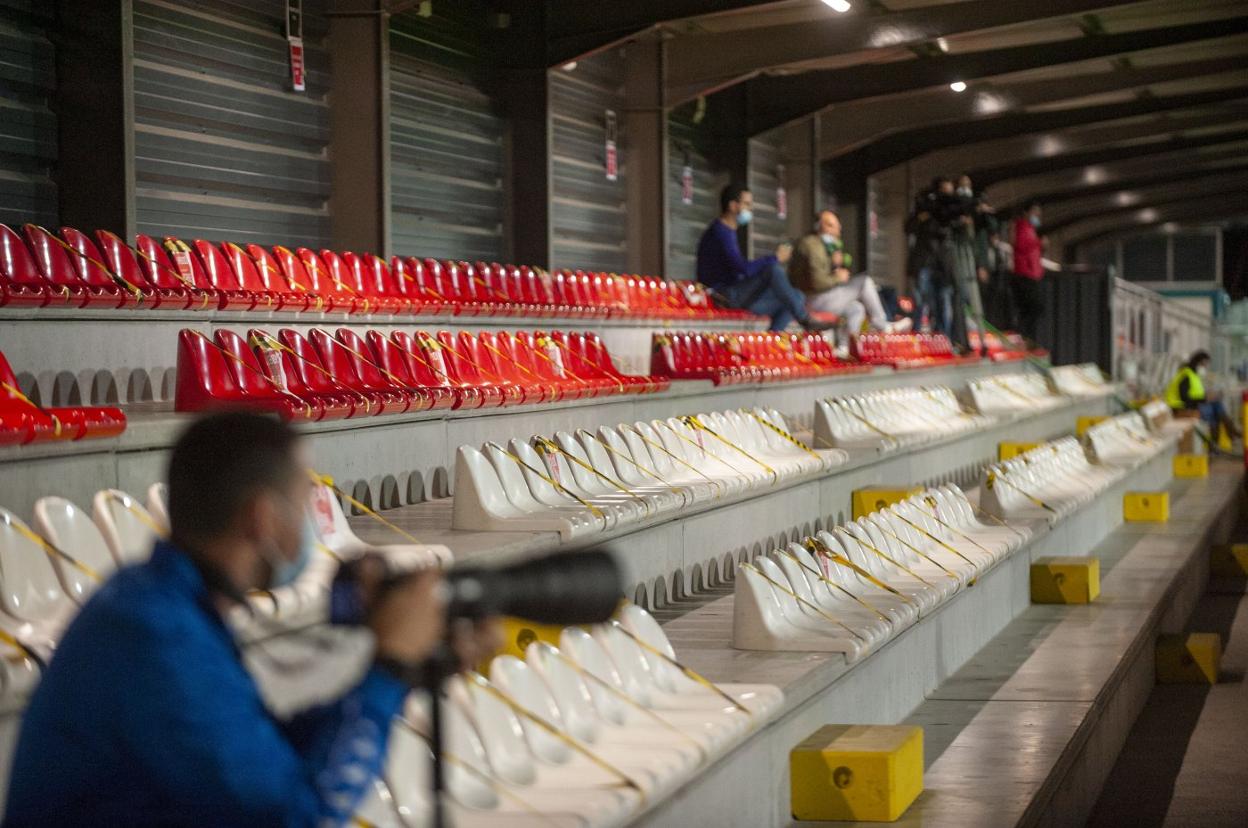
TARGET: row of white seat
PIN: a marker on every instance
(851, 589)
(584, 734)
(890, 419)
(1056, 478)
(1005, 394)
(49, 568)
(1084, 380)
(591, 482)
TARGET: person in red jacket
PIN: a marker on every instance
(1028, 271)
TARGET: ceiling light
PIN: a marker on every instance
(1094, 175)
(1126, 199)
(569, 66)
(1146, 215)
(942, 44)
(838, 6)
(958, 86)
(1169, 227)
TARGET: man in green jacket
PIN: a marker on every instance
(820, 269)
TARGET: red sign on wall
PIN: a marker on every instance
(612, 153)
(297, 80)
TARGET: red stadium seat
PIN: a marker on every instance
(221, 277)
(123, 261)
(386, 398)
(396, 362)
(259, 374)
(56, 422)
(58, 272)
(93, 269)
(374, 375)
(427, 368)
(296, 275)
(21, 284)
(172, 278)
(324, 282)
(371, 276)
(466, 371)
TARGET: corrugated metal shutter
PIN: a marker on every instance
(588, 212)
(686, 222)
(767, 229)
(223, 148)
(27, 126)
(446, 140)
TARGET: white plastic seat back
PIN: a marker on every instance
(629, 661)
(642, 625)
(568, 688)
(502, 735)
(29, 588)
(127, 526)
(158, 504)
(585, 650)
(68, 528)
(513, 676)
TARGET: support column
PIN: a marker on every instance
(645, 152)
(727, 145)
(95, 109)
(800, 154)
(359, 127)
(518, 80)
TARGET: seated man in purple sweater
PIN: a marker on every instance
(760, 285)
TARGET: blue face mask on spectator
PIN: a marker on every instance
(286, 572)
(1035, 221)
(744, 217)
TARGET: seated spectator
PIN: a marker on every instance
(820, 268)
(1187, 392)
(760, 285)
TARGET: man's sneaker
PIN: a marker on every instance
(902, 325)
(817, 325)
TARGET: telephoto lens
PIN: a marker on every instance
(561, 588)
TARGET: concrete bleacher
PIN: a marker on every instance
(1024, 706)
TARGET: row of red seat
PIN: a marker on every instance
(345, 374)
(762, 356)
(22, 420)
(75, 270)
(910, 350)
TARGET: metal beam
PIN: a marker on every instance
(1157, 176)
(1098, 230)
(777, 99)
(707, 62)
(1017, 169)
(579, 28)
(1195, 188)
(1014, 192)
(1049, 145)
(848, 126)
(903, 146)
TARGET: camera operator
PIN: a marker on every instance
(146, 715)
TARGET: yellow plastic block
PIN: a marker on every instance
(1082, 424)
(1059, 580)
(1229, 560)
(1224, 439)
(518, 633)
(1146, 506)
(1008, 451)
(1191, 465)
(857, 772)
(1189, 658)
(876, 498)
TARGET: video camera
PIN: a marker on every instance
(561, 588)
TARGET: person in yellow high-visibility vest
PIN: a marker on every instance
(1187, 391)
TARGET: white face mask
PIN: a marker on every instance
(827, 238)
(745, 217)
(1202, 371)
(965, 192)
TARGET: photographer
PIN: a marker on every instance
(146, 715)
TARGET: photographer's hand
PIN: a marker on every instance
(408, 621)
(475, 641)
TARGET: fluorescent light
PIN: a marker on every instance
(958, 86)
(1146, 215)
(942, 44)
(1126, 199)
(838, 6)
(569, 66)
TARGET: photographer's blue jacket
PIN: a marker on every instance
(146, 716)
